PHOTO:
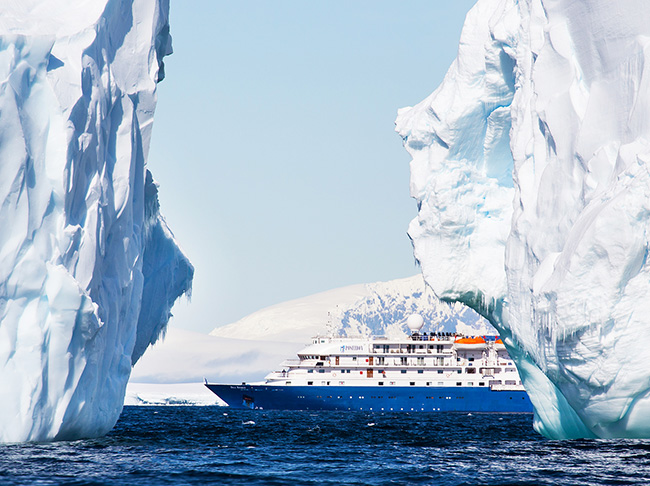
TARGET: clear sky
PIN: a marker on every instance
(280, 172)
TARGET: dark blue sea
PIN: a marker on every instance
(213, 445)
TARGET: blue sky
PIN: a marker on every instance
(280, 172)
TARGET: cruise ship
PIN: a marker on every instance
(436, 372)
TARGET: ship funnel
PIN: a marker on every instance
(415, 322)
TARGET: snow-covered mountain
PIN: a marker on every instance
(380, 308)
(88, 268)
(531, 169)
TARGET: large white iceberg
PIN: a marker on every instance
(531, 173)
(88, 268)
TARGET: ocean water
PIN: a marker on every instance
(213, 445)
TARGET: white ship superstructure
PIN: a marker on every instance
(438, 359)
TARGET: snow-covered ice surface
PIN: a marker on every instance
(531, 173)
(88, 268)
(190, 357)
(252, 347)
(195, 394)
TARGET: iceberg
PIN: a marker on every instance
(89, 269)
(530, 168)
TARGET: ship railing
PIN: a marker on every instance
(507, 388)
(276, 375)
(290, 362)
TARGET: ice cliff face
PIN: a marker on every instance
(88, 268)
(531, 172)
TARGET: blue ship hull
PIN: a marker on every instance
(372, 398)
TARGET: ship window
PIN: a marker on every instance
(321, 371)
(403, 371)
(428, 383)
(480, 383)
(470, 383)
(420, 371)
(412, 384)
(354, 358)
(381, 383)
(288, 383)
(310, 382)
(470, 359)
(458, 383)
(460, 371)
(440, 372)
